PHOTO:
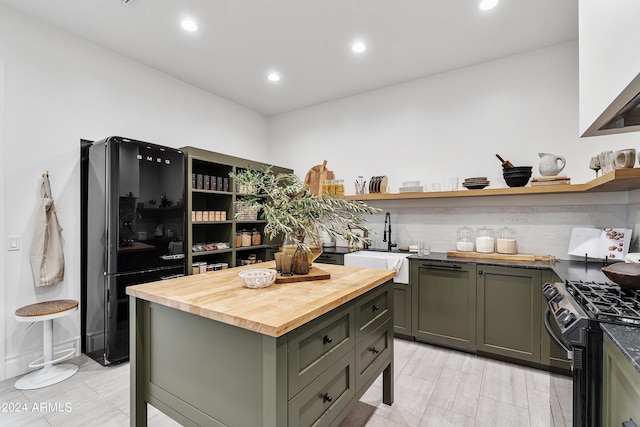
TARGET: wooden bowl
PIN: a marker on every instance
(625, 274)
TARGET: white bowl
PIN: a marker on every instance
(258, 278)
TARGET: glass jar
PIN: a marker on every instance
(485, 240)
(256, 237)
(246, 238)
(506, 241)
(464, 239)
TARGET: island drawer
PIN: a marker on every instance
(313, 347)
(325, 398)
(373, 309)
(372, 352)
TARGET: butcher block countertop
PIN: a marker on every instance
(272, 311)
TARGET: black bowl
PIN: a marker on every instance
(517, 175)
(517, 169)
(517, 181)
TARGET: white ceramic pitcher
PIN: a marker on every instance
(551, 164)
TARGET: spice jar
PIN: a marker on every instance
(506, 241)
(464, 239)
(246, 238)
(256, 238)
(485, 240)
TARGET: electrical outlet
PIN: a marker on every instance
(13, 243)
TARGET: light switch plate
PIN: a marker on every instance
(13, 243)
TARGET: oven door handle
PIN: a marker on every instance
(547, 325)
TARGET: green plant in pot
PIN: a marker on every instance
(291, 210)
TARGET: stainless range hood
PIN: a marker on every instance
(623, 115)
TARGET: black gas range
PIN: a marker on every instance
(576, 310)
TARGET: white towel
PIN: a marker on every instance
(394, 263)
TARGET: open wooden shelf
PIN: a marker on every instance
(617, 180)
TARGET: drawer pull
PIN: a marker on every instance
(376, 307)
(326, 339)
(442, 267)
(327, 398)
(374, 350)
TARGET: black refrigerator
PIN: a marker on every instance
(133, 224)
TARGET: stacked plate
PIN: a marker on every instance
(475, 183)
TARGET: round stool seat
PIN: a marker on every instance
(50, 374)
(46, 308)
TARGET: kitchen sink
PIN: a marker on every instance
(379, 260)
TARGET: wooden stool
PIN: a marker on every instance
(49, 374)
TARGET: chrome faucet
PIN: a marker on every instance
(386, 237)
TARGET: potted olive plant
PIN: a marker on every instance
(291, 210)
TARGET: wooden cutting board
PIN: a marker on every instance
(512, 257)
(314, 274)
(316, 176)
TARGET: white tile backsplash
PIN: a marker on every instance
(541, 230)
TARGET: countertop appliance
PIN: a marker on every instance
(133, 222)
(573, 317)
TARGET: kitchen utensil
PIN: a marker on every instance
(505, 163)
(316, 176)
(624, 274)
(360, 185)
(551, 164)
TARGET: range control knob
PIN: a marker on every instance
(565, 318)
(549, 291)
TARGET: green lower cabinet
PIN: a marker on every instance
(443, 307)
(330, 258)
(621, 387)
(402, 309)
(509, 312)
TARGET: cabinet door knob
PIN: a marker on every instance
(479, 271)
(327, 398)
(376, 307)
(326, 339)
(374, 350)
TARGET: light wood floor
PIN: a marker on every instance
(433, 387)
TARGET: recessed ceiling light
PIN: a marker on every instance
(487, 4)
(189, 25)
(274, 77)
(358, 47)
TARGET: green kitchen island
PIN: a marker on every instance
(207, 351)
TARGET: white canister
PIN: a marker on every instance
(506, 241)
(464, 240)
(485, 240)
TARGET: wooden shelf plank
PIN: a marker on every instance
(617, 180)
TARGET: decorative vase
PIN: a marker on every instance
(300, 263)
(293, 246)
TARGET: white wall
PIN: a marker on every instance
(2, 238)
(453, 124)
(609, 55)
(58, 90)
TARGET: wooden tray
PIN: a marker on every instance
(512, 257)
(314, 274)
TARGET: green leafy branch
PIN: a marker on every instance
(288, 206)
